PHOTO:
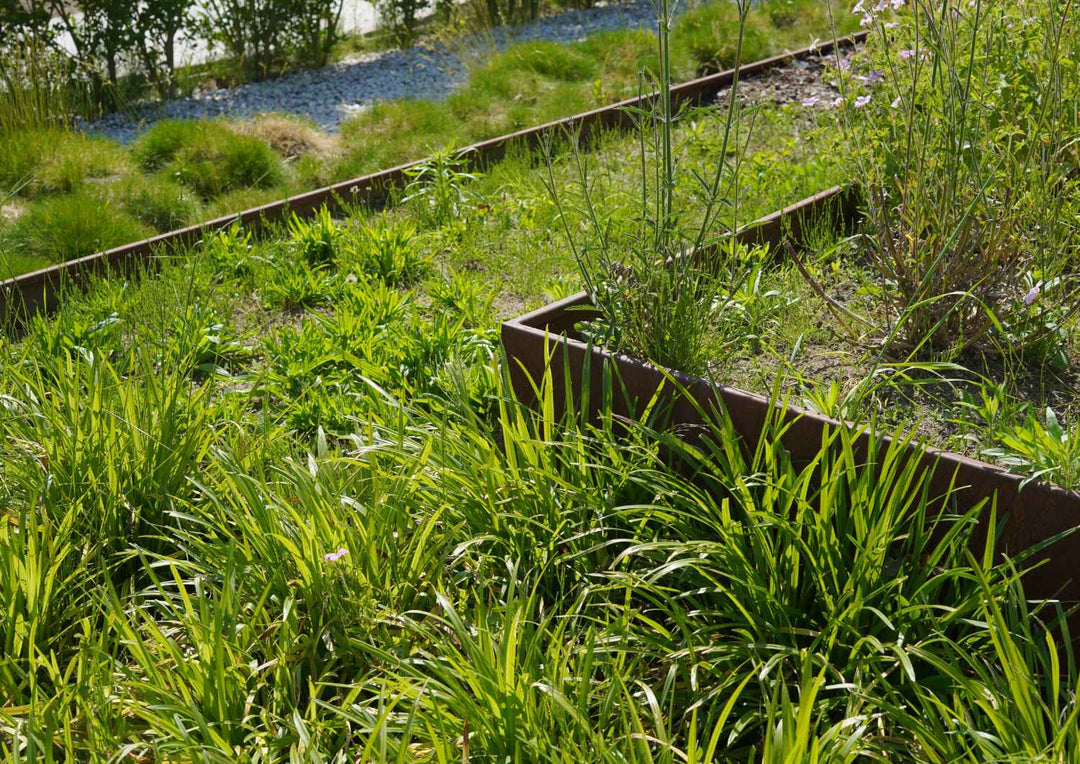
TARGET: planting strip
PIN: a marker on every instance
(40, 291)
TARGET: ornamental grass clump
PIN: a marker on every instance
(962, 127)
(660, 283)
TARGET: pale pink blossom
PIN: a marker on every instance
(335, 556)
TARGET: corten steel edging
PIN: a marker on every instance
(28, 294)
(1028, 514)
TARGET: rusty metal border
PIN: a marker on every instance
(39, 291)
(1028, 513)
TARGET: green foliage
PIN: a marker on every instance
(37, 91)
(157, 201)
(438, 187)
(319, 240)
(711, 34)
(78, 224)
(387, 250)
(294, 284)
(209, 157)
(1041, 449)
(659, 284)
(55, 161)
(955, 252)
(263, 35)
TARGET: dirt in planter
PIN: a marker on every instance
(804, 345)
(796, 82)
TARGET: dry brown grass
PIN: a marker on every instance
(10, 211)
(288, 136)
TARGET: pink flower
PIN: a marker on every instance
(861, 101)
(335, 556)
(1032, 295)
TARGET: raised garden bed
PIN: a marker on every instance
(1029, 513)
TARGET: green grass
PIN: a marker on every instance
(274, 499)
(230, 167)
(67, 227)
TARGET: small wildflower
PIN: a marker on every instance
(838, 102)
(858, 7)
(1032, 295)
(896, 103)
(875, 75)
(866, 20)
(335, 556)
(861, 101)
(882, 5)
(897, 4)
(845, 64)
(891, 25)
(811, 101)
(906, 54)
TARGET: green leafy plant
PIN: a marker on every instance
(386, 249)
(319, 239)
(438, 187)
(1041, 449)
(660, 286)
(295, 284)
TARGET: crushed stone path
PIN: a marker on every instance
(334, 93)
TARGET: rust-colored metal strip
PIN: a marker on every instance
(42, 290)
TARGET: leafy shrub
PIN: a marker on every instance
(264, 34)
(74, 225)
(401, 18)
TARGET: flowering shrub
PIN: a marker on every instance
(959, 114)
